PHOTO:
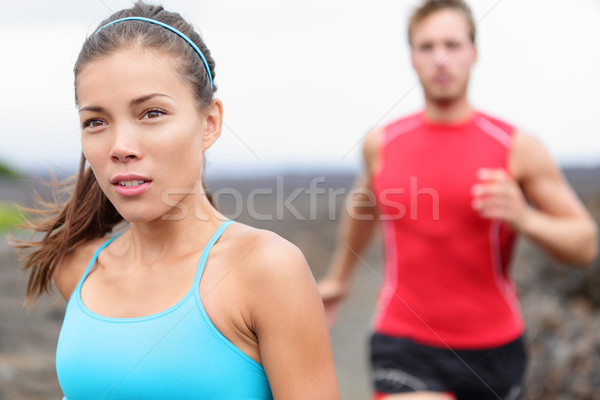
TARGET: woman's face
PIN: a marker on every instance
(143, 133)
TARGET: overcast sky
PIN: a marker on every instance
(303, 80)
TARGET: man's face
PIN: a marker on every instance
(442, 55)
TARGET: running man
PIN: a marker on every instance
(452, 187)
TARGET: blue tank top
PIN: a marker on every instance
(175, 354)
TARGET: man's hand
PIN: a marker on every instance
(332, 292)
(498, 196)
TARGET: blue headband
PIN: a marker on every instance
(169, 27)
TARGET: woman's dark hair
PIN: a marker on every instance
(153, 37)
(87, 213)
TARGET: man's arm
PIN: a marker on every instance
(357, 227)
(556, 220)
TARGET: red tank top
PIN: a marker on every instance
(447, 280)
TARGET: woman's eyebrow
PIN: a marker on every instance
(91, 108)
(147, 97)
(134, 102)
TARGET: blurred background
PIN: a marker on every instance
(302, 82)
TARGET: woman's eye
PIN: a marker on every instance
(93, 123)
(153, 113)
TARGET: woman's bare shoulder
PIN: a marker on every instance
(70, 268)
(263, 250)
(267, 265)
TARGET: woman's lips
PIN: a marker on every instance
(134, 190)
(131, 185)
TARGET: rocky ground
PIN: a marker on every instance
(561, 305)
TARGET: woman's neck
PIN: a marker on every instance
(173, 235)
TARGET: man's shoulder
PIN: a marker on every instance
(402, 125)
(487, 120)
(406, 122)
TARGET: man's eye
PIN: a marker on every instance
(93, 123)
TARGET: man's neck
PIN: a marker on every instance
(448, 112)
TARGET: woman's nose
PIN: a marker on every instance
(125, 145)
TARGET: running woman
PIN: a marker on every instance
(183, 304)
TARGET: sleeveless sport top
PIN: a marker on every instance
(175, 354)
(447, 277)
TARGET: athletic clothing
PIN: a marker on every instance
(175, 354)
(400, 365)
(446, 279)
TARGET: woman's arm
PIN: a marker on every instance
(70, 268)
(289, 321)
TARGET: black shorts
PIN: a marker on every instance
(400, 365)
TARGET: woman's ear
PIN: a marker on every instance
(214, 123)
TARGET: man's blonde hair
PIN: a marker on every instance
(431, 6)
